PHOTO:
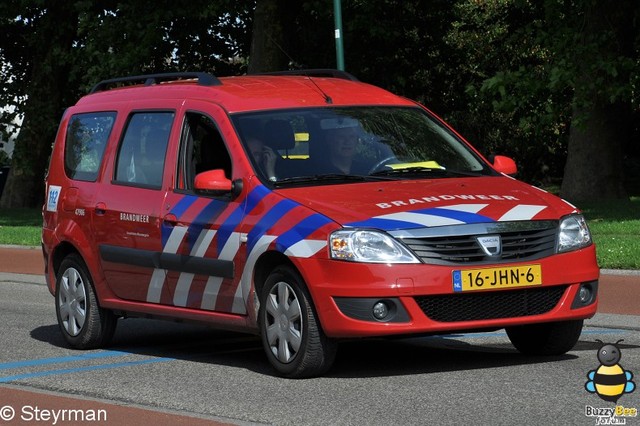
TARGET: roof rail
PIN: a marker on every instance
(318, 72)
(204, 79)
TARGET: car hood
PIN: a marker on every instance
(394, 205)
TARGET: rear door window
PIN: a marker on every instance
(143, 148)
(87, 136)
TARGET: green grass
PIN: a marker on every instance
(615, 226)
(20, 226)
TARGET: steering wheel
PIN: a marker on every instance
(378, 166)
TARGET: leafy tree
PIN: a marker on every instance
(273, 35)
(35, 79)
(4, 159)
(500, 75)
(541, 81)
(603, 66)
(564, 72)
(439, 55)
(504, 72)
(55, 50)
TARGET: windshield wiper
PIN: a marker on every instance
(429, 171)
(329, 177)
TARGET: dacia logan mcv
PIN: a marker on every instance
(304, 208)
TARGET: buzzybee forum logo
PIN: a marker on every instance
(610, 381)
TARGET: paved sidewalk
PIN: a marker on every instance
(618, 307)
(619, 291)
(26, 264)
(21, 260)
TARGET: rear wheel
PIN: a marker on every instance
(83, 323)
(551, 338)
(291, 335)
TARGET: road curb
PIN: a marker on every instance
(620, 272)
(12, 246)
(23, 278)
(18, 250)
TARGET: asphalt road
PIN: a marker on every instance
(166, 373)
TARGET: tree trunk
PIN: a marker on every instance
(44, 105)
(599, 126)
(272, 28)
(594, 159)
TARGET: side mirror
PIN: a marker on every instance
(212, 180)
(505, 165)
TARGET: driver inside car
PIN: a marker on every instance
(342, 139)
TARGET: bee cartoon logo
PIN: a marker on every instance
(609, 381)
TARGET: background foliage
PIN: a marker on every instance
(552, 83)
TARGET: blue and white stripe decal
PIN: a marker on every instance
(245, 207)
(305, 248)
(242, 295)
(521, 212)
(301, 231)
(227, 248)
(438, 216)
(459, 214)
(202, 220)
(212, 288)
(268, 221)
(181, 294)
(227, 241)
(158, 276)
(177, 210)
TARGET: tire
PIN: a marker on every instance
(291, 335)
(552, 338)
(82, 322)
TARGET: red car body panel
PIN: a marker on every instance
(238, 236)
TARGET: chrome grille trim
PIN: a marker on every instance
(455, 245)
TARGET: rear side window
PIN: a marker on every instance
(142, 150)
(87, 136)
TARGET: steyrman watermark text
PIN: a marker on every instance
(31, 413)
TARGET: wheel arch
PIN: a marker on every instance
(74, 240)
(63, 250)
(313, 351)
(267, 263)
(93, 326)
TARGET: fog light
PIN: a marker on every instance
(380, 310)
(584, 294)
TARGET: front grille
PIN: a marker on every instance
(490, 305)
(517, 245)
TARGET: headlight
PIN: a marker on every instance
(573, 234)
(359, 245)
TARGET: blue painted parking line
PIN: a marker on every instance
(82, 369)
(606, 331)
(59, 360)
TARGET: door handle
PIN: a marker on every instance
(101, 209)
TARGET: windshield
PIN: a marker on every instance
(318, 145)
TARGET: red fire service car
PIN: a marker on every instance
(305, 207)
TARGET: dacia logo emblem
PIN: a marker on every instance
(491, 244)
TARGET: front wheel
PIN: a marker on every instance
(550, 338)
(291, 335)
(83, 323)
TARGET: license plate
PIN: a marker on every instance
(497, 278)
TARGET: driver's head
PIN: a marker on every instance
(256, 147)
(342, 141)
